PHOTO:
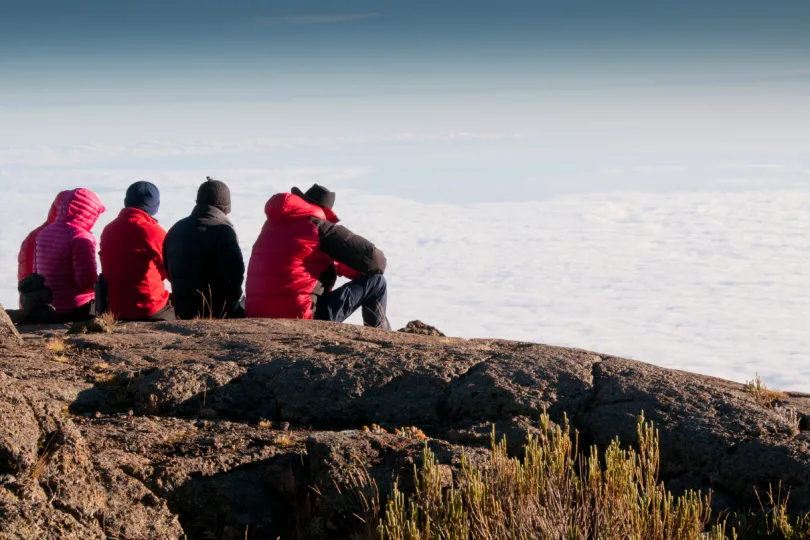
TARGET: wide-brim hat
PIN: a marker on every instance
(317, 195)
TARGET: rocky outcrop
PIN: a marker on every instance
(418, 327)
(9, 336)
(259, 429)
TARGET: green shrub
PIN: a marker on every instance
(553, 492)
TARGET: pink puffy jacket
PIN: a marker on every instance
(66, 250)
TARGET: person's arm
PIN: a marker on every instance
(155, 239)
(85, 270)
(349, 249)
(22, 261)
(345, 271)
(164, 252)
(232, 263)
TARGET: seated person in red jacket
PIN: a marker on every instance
(299, 255)
(132, 258)
(66, 254)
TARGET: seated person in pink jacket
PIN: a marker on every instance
(66, 254)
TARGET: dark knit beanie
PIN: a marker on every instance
(143, 196)
(215, 193)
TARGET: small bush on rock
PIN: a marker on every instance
(551, 493)
(762, 394)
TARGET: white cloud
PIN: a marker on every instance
(710, 282)
(72, 155)
(752, 167)
(658, 169)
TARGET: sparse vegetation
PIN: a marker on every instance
(772, 399)
(59, 349)
(411, 432)
(109, 321)
(375, 429)
(56, 345)
(762, 394)
(208, 309)
(773, 522)
(551, 493)
(791, 418)
(556, 492)
(284, 441)
(45, 451)
(105, 378)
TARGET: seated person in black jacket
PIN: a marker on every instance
(203, 259)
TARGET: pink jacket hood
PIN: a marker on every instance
(80, 208)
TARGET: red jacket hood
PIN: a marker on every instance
(80, 208)
(286, 206)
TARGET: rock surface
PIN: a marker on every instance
(9, 336)
(164, 429)
(418, 327)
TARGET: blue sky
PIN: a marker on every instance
(256, 50)
(553, 92)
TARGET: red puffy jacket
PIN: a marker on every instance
(25, 260)
(66, 250)
(132, 264)
(298, 256)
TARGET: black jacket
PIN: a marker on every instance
(204, 264)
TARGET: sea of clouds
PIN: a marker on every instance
(713, 280)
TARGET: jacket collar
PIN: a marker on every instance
(136, 214)
(204, 210)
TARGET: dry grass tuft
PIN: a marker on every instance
(790, 416)
(762, 394)
(774, 520)
(363, 496)
(45, 452)
(411, 432)
(56, 345)
(778, 523)
(59, 348)
(109, 321)
(284, 441)
(265, 424)
(105, 378)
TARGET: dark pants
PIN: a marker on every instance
(368, 292)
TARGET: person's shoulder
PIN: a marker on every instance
(182, 224)
(78, 234)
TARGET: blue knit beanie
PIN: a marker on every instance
(143, 196)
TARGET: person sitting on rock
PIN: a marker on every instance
(299, 255)
(204, 260)
(66, 254)
(132, 259)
